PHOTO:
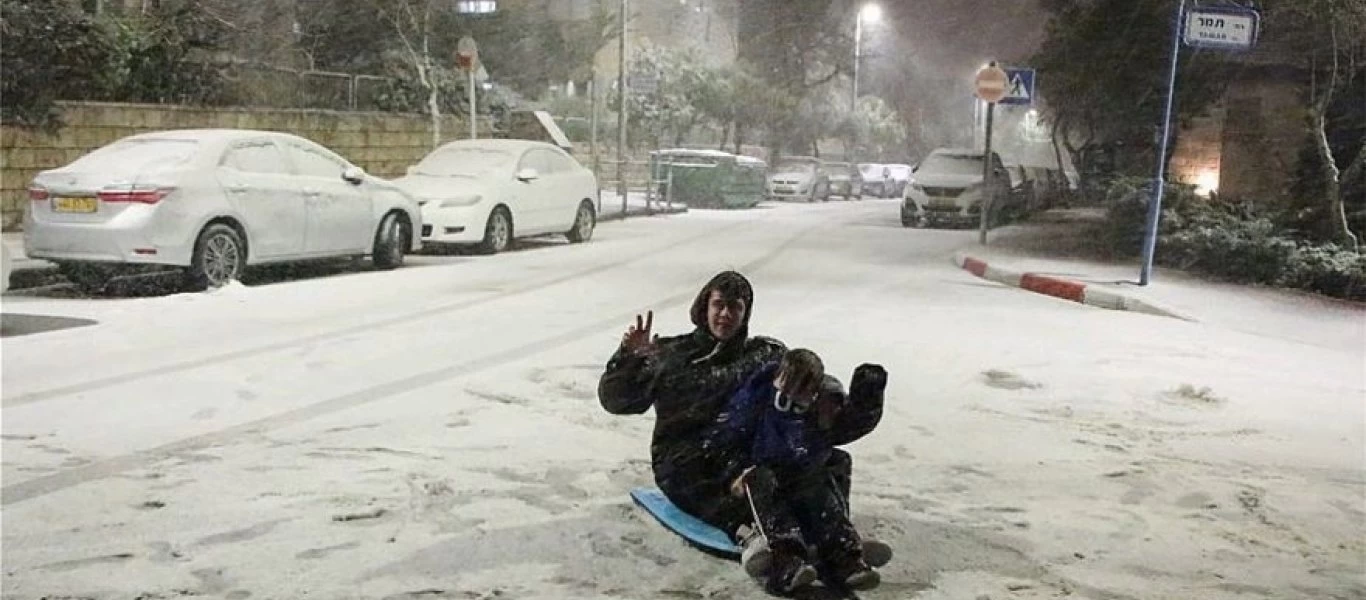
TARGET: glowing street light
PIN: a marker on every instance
(872, 13)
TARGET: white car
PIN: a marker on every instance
(212, 201)
(948, 187)
(489, 192)
(899, 177)
(799, 177)
(877, 179)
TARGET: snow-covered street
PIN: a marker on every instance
(434, 431)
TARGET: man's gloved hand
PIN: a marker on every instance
(869, 381)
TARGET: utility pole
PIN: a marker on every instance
(858, 50)
(593, 134)
(621, 107)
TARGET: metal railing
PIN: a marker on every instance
(259, 84)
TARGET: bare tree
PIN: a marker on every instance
(412, 23)
(1322, 100)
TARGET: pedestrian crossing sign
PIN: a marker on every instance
(1019, 87)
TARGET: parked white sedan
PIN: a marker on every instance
(489, 192)
(212, 201)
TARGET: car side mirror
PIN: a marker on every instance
(353, 175)
(528, 174)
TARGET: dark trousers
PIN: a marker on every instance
(795, 509)
(697, 487)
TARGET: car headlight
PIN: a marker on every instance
(460, 201)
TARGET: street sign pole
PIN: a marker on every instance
(1159, 181)
(474, 114)
(467, 56)
(987, 194)
(992, 83)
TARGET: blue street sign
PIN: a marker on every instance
(1019, 87)
(1221, 27)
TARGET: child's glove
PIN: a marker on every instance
(869, 381)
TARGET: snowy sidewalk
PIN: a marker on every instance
(635, 206)
(1059, 244)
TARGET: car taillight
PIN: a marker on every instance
(139, 195)
(38, 194)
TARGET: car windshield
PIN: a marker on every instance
(137, 156)
(870, 170)
(795, 166)
(465, 162)
(952, 164)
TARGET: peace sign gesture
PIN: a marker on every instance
(638, 340)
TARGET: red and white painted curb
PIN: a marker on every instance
(1066, 289)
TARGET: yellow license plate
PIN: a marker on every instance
(75, 205)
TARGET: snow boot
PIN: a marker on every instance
(854, 572)
(754, 554)
(876, 553)
(788, 571)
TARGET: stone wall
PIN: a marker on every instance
(384, 144)
(1264, 131)
(1199, 150)
(1247, 146)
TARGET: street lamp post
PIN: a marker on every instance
(871, 13)
(621, 106)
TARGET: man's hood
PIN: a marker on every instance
(735, 282)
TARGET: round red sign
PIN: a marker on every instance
(991, 84)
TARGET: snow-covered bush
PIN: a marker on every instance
(1228, 240)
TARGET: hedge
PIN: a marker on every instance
(1229, 241)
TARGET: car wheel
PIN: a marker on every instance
(584, 222)
(391, 240)
(498, 232)
(220, 256)
(91, 279)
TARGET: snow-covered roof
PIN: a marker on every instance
(693, 152)
(505, 145)
(204, 135)
(958, 151)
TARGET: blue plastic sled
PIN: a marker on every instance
(698, 533)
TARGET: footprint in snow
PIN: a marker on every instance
(1005, 380)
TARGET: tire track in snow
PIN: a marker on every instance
(218, 359)
(41, 486)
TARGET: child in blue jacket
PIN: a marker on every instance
(780, 431)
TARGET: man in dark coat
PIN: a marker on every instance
(688, 379)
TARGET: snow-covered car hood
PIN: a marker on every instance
(946, 180)
(430, 187)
